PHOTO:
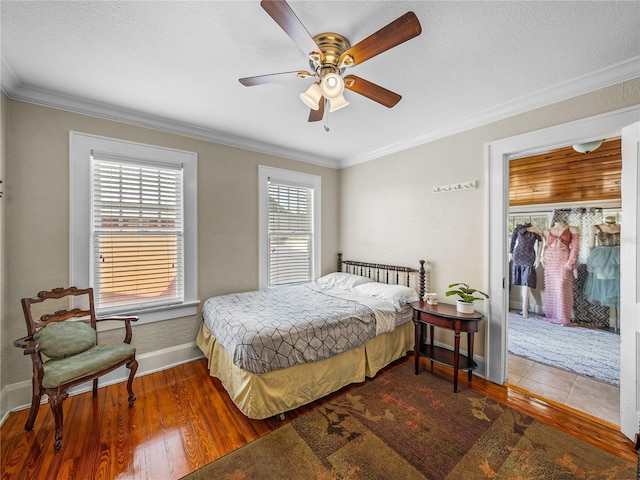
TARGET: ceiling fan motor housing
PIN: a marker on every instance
(332, 46)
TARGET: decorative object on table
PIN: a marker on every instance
(431, 298)
(467, 296)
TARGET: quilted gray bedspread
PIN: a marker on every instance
(271, 329)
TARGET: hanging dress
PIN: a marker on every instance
(560, 258)
(523, 248)
(603, 270)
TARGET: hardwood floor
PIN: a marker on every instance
(183, 419)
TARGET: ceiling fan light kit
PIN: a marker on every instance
(312, 96)
(337, 103)
(332, 88)
(332, 85)
(330, 54)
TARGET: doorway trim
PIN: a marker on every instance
(606, 125)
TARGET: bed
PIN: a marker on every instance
(277, 349)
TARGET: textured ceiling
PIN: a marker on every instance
(175, 66)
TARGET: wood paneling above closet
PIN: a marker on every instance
(564, 175)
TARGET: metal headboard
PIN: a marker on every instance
(388, 272)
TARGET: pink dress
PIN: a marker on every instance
(560, 258)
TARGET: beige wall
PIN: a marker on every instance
(383, 210)
(389, 213)
(38, 217)
(3, 156)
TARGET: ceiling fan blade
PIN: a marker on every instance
(399, 31)
(371, 90)
(281, 12)
(317, 115)
(272, 78)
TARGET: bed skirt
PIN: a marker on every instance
(264, 395)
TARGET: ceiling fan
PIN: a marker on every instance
(330, 54)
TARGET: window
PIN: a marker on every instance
(537, 219)
(289, 227)
(133, 227)
(290, 235)
(137, 233)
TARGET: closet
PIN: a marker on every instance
(581, 190)
(569, 194)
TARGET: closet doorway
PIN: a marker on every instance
(624, 123)
(572, 360)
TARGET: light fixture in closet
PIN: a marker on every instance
(587, 147)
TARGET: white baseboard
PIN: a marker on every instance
(17, 396)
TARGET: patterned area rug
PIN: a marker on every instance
(406, 427)
(586, 351)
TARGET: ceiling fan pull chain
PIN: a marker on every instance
(326, 116)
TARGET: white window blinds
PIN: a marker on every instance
(137, 227)
(290, 234)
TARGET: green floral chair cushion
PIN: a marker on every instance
(65, 339)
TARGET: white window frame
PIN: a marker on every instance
(80, 148)
(295, 178)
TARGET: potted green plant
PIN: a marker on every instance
(467, 296)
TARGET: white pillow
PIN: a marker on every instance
(399, 295)
(342, 280)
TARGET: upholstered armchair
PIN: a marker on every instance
(62, 343)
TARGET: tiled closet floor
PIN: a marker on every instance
(599, 399)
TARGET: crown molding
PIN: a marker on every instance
(620, 72)
(617, 73)
(8, 80)
(15, 90)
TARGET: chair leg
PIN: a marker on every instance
(95, 387)
(133, 367)
(35, 404)
(56, 407)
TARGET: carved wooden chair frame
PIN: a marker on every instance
(32, 348)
